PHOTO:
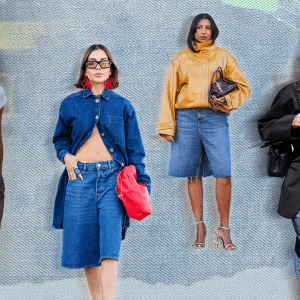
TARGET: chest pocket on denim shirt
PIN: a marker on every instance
(116, 129)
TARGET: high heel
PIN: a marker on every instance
(200, 245)
(220, 242)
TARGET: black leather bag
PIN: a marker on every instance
(280, 156)
(220, 88)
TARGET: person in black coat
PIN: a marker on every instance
(282, 123)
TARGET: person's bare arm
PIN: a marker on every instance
(296, 121)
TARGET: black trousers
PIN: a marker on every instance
(289, 203)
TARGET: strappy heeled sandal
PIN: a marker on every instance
(220, 242)
(200, 245)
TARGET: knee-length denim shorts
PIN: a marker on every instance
(201, 146)
(93, 216)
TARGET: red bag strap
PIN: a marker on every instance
(118, 186)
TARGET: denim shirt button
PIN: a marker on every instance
(102, 134)
(122, 164)
(111, 150)
(97, 100)
(97, 117)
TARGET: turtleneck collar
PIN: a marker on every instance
(198, 46)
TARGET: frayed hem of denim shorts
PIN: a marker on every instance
(198, 176)
(84, 266)
(109, 257)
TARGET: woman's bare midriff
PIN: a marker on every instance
(94, 149)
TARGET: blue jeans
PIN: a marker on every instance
(93, 216)
(201, 146)
(296, 223)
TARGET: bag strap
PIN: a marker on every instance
(220, 71)
(118, 188)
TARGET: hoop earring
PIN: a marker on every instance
(109, 84)
(86, 84)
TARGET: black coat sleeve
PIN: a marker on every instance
(276, 123)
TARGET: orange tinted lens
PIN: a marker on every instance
(91, 64)
(105, 63)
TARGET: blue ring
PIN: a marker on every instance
(77, 171)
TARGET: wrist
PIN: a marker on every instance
(66, 156)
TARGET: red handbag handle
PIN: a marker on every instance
(117, 188)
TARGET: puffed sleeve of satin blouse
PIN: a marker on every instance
(167, 123)
(240, 95)
(62, 137)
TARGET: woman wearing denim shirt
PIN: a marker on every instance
(97, 134)
(199, 136)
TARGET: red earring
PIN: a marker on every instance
(86, 84)
(109, 84)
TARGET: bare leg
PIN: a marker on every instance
(223, 195)
(196, 197)
(102, 280)
(296, 288)
(109, 272)
(93, 279)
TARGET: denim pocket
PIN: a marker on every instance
(115, 125)
(186, 119)
(76, 179)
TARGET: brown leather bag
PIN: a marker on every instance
(220, 88)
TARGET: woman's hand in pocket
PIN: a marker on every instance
(71, 164)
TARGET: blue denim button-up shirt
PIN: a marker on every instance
(117, 123)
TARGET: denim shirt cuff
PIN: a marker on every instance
(61, 155)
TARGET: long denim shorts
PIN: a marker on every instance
(296, 223)
(201, 146)
(93, 216)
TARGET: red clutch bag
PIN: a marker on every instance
(133, 195)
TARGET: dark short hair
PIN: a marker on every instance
(193, 29)
(113, 67)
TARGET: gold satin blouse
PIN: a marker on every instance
(188, 82)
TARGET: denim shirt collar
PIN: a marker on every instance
(106, 94)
